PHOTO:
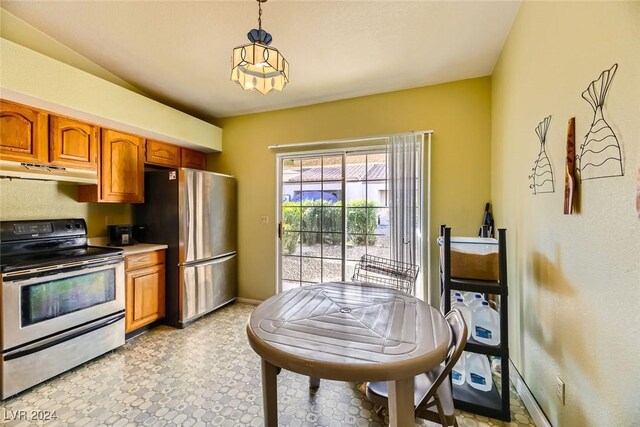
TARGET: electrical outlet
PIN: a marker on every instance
(560, 389)
(264, 219)
(107, 220)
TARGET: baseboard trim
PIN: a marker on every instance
(538, 417)
(249, 301)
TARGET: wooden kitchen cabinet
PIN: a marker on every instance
(193, 159)
(121, 170)
(23, 133)
(145, 287)
(73, 143)
(162, 154)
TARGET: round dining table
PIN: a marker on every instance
(348, 332)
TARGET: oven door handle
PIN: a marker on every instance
(30, 274)
(34, 348)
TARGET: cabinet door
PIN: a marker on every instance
(23, 133)
(160, 153)
(73, 143)
(193, 159)
(145, 296)
(122, 167)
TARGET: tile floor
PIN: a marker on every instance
(203, 375)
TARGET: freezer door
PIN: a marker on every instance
(208, 208)
(207, 286)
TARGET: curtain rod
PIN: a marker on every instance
(342, 141)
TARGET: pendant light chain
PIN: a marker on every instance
(259, 15)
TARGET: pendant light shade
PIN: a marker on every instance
(258, 66)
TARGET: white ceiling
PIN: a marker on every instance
(179, 52)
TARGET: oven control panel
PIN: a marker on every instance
(21, 230)
(33, 228)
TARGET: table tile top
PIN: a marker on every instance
(345, 323)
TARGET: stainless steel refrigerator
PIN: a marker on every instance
(194, 213)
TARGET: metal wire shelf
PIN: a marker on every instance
(386, 272)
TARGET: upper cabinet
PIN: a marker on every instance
(32, 135)
(121, 170)
(162, 154)
(193, 159)
(72, 143)
(23, 133)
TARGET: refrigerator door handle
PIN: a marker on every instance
(209, 261)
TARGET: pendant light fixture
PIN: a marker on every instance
(258, 66)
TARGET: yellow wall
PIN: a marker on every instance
(23, 199)
(574, 280)
(459, 114)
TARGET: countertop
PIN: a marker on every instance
(138, 248)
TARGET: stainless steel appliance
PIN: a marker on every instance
(194, 213)
(62, 301)
(39, 172)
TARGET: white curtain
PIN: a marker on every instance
(405, 180)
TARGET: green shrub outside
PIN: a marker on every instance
(309, 217)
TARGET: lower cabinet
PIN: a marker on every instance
(145, 281)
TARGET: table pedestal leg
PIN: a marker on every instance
(314, 382)
(270, 394)
(401, 409)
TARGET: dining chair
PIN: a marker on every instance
(433, 399)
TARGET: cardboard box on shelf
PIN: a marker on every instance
(473, 258)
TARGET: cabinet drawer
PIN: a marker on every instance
(159, 153)
(144, 260)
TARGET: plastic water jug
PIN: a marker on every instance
(470, 296)
(458, 374)
(485, 325)
(475, 302)
(466, 314)
(478, 371)
(455, 296)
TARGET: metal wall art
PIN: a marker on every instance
(638, 195)
(570, 184)
(541, 177)
(600, 154)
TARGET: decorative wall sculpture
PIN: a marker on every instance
(541, 174)
(638, 195)
(600, 154)
(570, 184)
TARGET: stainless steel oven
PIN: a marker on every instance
(60, 306)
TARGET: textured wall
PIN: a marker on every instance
(23, 199)
(32, 78)
(459, 114)
(574, 280)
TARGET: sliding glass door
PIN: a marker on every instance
(333, 208)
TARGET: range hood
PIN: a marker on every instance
(24, 170)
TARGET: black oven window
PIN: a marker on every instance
(56, 298)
